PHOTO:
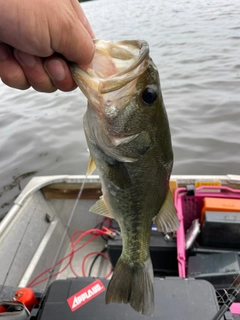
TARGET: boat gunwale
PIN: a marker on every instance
(37, 183)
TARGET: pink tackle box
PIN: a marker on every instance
(189, 208)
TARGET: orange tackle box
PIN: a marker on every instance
(219, 204)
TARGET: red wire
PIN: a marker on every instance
(95, 253)
(75, 233)
(71, 254)
(70, 262)
(60, 271)
(98, 231)
(32, 283)
(74, 243)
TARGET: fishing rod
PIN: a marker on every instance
(226, 304)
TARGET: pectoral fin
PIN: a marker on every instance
(100, 208)
(166, 220)
(91, 166)
(118, 175)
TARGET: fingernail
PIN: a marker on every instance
(56, 70)
(27, 59)
(3, 53)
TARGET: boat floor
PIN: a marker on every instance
(44, 207)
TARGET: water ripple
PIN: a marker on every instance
(195, 45)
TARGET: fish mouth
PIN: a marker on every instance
(114, 65)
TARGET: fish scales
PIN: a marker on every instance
(128, 136)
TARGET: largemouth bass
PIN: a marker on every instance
(128, 136)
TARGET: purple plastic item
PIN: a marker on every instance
(189, 208)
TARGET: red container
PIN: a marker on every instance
(27, 297)
(189, 208)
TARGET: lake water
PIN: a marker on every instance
(196, 47)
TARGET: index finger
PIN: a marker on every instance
(82, 17)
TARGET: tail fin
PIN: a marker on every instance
(133, 285)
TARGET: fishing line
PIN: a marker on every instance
(18, 247)
(230, 299)
(230, 287)
(226, 304)
(51, 272)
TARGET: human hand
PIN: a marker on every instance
(35, 39)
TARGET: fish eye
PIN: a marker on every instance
(149, 96)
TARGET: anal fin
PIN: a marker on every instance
(166, 220)
(100, 207)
